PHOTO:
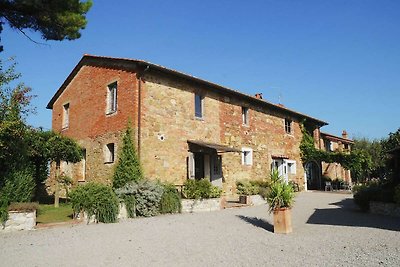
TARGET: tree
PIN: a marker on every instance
(62, 149)
(128, 168)
(55, 20)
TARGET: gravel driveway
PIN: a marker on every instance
(328, 231)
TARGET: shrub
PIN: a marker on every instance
(197, 189)
(25, 206)
(19, 187)
(128, 168)
(147, 196)
(95, 199)
(247, 188)
(280, 194)
(170, 200)
(130, 204)
(295, 186)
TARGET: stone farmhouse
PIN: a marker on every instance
(184, 127)
(335, 171)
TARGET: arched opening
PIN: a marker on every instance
(313, 175)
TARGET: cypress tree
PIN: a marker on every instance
(128, 168)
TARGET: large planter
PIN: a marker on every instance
(282, 221)
(200, 205)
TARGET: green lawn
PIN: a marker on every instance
(50, 214)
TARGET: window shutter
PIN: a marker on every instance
(191, 173)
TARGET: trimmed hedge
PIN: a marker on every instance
(198, 189)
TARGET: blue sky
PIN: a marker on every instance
(337, 60)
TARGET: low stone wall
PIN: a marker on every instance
(390, 209)
(200, 205)
(20, 220)
(257, 200)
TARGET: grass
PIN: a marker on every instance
(50, 214)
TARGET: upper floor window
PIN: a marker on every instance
(328, 145)
(288, 126)
(112, 98)
(198, 105)
(245, 116)
(109, 155)
(247, 156)
(65, 118)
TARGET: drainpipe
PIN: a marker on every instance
(139, 76)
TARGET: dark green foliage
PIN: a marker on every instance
(198, 189)
(130, 204)
(19, 187)
(374, 191)
(147, 196)
(95, 199)
(55, 20)
(281, 194)
(128, 168)
(246, 188)
(170, 200)
(62, 148)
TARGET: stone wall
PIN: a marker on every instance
(18, 220)
(200, 205)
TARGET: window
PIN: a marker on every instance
(112, 98)
(109, 153)
(291, 166)
(328, 145)
(245, 116)
(346, 146)
(217, 168)
(288, 126)
(65, 122)
(83, 162)
(247, 156)
(198, 105)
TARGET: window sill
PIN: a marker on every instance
(64, 128)
(246, 125)
(199, 118)
(108, 162)
(111, 113)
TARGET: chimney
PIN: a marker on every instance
(258, 96)
(344, 134)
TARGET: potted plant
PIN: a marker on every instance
(280, 199)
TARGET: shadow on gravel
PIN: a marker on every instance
(257, 222)
(348, 215)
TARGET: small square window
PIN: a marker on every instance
(198, 105)
(112, 98)
(65, 122)
(109, 153)
(245, 116)
(247, 156)
(288, 126)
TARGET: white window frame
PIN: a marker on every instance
(247, 156)
(291, 166)
(65, 118)
(245, 116)
(109, 153)
(112, 98)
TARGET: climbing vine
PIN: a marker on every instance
(351, 161)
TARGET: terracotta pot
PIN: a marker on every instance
(282, 221)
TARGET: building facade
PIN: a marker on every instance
(184, 127)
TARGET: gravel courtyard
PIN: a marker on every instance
(328, 231)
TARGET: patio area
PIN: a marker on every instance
(328, 231)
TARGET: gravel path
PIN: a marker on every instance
(328, 231)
